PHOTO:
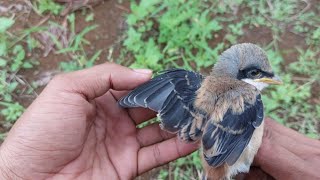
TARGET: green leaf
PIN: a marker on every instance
(133, 42)
(7, 97)
(49, 5)
(93, 59)
(152, 54)
(5, 24)
(132, 19)
(215, 26)
(3, 48)
(90, 17)
(18, 59)
(71, 19)
(12, 111)
(19, 51)
(2, 62)
(12, 86)
(27, 65)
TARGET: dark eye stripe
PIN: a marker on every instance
(242, 74)
(267, 74)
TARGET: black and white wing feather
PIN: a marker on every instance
(171, 94)
(226, 140)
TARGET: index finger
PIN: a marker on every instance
(161, 153)
(96, 81)
(290, 133)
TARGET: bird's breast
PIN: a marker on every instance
(216, 97)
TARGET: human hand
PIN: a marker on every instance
(75, 129)
(285, 154)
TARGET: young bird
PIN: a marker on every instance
(223, 109)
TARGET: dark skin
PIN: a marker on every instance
(75, 129)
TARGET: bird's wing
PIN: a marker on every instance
(226, 140)
(171, 94)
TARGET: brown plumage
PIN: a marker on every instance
(224, 109)
(217, 95)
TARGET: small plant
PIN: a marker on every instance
(178, 32)
(12, 111)
(308, 63)
(12, 59)
(5, 24)
(75, 48)
(44, 6)
(79, 62)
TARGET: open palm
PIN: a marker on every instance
(75, 129)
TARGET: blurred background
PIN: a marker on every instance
(41, 38)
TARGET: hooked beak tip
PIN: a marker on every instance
(278, 80)
(275, 80)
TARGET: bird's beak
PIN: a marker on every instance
(275, 80)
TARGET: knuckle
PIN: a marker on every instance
(110, 65)
(62, 78)
(60, 82)
(140, 140)
(177, 148)
(157, 154)
(163, 134)
(58, 78)
(267, 134)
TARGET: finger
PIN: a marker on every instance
(162, 153)
(284, 140)
(138, 115)
(294, 146)
(152, 134)
(96, 81)
(291, 134)
(279, 162)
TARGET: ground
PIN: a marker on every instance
(37, 42)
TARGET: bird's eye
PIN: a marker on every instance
(254, 73)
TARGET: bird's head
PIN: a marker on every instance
(246, 62)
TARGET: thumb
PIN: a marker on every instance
(96, 81)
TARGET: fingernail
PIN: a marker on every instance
(143, 71)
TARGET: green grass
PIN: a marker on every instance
(186, 34)
(12, 59)
(165, 34)
(46, 6)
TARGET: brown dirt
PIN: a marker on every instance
(260, 35)
(288, 44)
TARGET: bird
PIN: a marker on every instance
(222, 110)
